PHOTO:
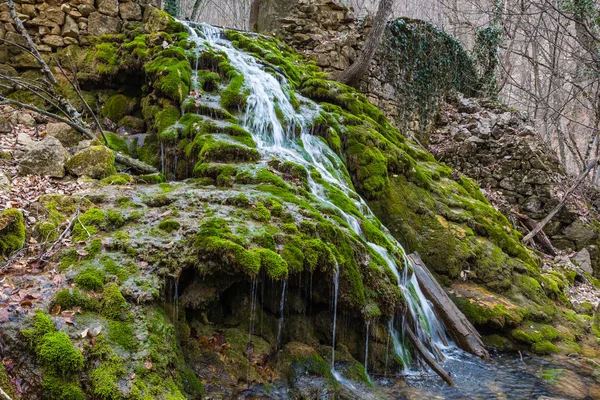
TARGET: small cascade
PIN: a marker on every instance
(290, 139)
(253, 297)
(367, 349)
(336, 282)
(281, 315)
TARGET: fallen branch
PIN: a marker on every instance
(541, 237)
(134, 163)
(429, 358)
(562, 203)
(3, 393)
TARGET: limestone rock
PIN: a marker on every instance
(70, 28)
(86, 9)
(100, 24)
(157, 20)
(109, 7)
(55, 14)
(130, 11)
(46, 158)
(96, 162)
(584, 261)
(4, 182)
(53, 40)
(26, 119)
(63, 132)
(580, 233)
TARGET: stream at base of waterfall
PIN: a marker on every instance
(505, 377)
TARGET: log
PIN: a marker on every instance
(462, 331)
(423, 352)
(541, 237)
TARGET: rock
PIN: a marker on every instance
(130, 11)
(70, 28)
(26, 119)
(46, 158)
(5, 126)
(580, 233)
(100, 24)
(63, 132)
(55, 14)
(109, 7)
(4, 182)
(97, 162)
(53, 41)
(84, 144)
(157, 20)
(584, 261)
(86, 9)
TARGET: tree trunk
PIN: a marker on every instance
(352, 75)
(196, 10)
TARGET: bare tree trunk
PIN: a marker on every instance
(352, 75)
(196, 9)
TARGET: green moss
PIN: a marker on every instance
(532, 332)
(57, 353)
(273, 264)
(234, 96)
(117, 143)
(42, 325)
(261, 213)
(12, 231)
(117, 106)
(165, 120)
(209, 81)
(88, 224)
(97, 162)
(552, 375)
(150, 179)
(113, 303)
(228, 253)
(57, 388)
(68, 299)
(122, 334)
(170, 75)
(90, 279)
(118, 180)
(544, 347)
(107, 57)
(5, 383)
(169, 225)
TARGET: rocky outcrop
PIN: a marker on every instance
(96, 162)
(501, 149)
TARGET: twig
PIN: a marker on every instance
(68, 228)
(84, 228)
(3, 393)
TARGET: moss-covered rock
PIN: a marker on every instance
(118, 106)
(12, 231)
(96, 162)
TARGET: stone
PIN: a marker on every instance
(26, 119)
(86, 9)
(100, 24)
(70, 28)
(47, 158)
(583, 260)
(4, 182)
(55, 14)
(63, 132)
(109, 7)
(580, 233)
(84, 144)
(53, 41)
(69, 41)
(130, 11)
(44, 48)
(97, 162)
(5, 126)
(29, 10)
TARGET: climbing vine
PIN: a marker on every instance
(426, 63)
(485, 54)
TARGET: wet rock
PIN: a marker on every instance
(63, 132)
(46, 157)
(97, 162)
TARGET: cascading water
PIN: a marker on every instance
(266, 99)
(336, 286)
(281, 310)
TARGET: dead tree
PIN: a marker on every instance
(355, 72)
(47, 90)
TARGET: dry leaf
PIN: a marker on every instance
(148, 365)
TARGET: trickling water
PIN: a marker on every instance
(267, 97)
(253, 295)
(367, 349)
(281, 308)
(336, 281)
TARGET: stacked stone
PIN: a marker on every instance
(501, 149)
(54, 24)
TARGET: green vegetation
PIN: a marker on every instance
(12, 231)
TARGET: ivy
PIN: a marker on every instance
(485, 53)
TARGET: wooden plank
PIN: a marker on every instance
(462, 331)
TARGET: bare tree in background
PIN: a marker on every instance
(356, 71)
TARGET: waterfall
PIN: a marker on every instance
(281, 309)
(275, 139)
(336, 286)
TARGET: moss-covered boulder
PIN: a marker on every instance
(97, 162)
(12, 231)
(118, 106)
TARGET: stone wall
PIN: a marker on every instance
(330, 34)
(501, 149)
(55, 23)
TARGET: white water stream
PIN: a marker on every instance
(274, 139)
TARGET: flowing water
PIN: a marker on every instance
(336, 286)
(267, 97)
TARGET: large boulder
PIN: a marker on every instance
(63, 132)
(130, 11)
(157, 20)
(47, 158)
(97, 162)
